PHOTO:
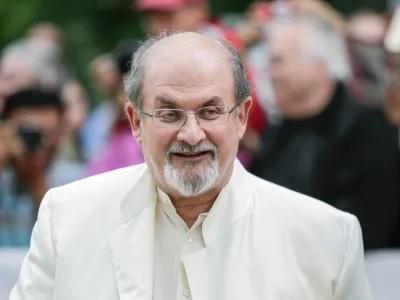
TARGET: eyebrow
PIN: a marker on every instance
(164, 101)
(212, 101)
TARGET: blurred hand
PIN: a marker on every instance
(10, 144)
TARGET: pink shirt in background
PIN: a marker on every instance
(121, 151)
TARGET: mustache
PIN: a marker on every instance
(184, 147)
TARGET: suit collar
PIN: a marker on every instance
(231, 206)
(132, 244)
(142, 193)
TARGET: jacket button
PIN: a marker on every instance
(186, 293)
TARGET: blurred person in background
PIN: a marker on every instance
(117, 149)
(365, 35)
(328, 146)
(74, 98)
(24, 64)
(37, 63)
(254, 34)
(194, 15)
(46, 32)
(98, 126)
(29, 140)
(73, 93)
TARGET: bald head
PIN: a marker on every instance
(190, 59)
(186, 49)
(187, 60)
(188, 44)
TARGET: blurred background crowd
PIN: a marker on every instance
(325, 119)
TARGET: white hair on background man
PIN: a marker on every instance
(42, 59)
(321, 42)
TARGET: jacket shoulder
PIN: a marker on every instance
(106, 187)
(306, 222)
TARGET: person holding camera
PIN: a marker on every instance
(29, 139)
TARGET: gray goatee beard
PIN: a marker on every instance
(192, 180)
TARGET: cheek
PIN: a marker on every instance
(156, 141)
(225, 139)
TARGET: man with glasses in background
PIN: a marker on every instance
(191, 223)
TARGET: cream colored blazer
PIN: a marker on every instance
(94, 240)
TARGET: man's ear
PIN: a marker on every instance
(134, 121)
(243, 115)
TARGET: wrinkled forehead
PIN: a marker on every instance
(188, 71)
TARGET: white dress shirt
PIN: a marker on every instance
(174, 240)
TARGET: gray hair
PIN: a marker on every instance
(42, 59)
(133, 80)
(322, 42)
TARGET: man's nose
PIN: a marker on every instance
(191, 132)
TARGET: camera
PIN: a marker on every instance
(31, 137)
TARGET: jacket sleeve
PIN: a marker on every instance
(352, 281)
(36, 279)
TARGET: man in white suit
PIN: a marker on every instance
(191, 223)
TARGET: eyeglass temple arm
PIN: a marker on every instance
(236, 106)
(145, 113)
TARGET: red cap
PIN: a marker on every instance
(159, 4)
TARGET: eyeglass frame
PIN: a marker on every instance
(151, 115)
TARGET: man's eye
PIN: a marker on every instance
(169, 116)
(211, 113)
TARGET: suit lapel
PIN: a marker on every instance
(219, 262)
(232, 205)
(132, 244)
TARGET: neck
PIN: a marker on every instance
(189, 209)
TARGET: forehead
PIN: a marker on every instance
(188, 72)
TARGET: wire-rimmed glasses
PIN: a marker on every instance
(205, 116)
